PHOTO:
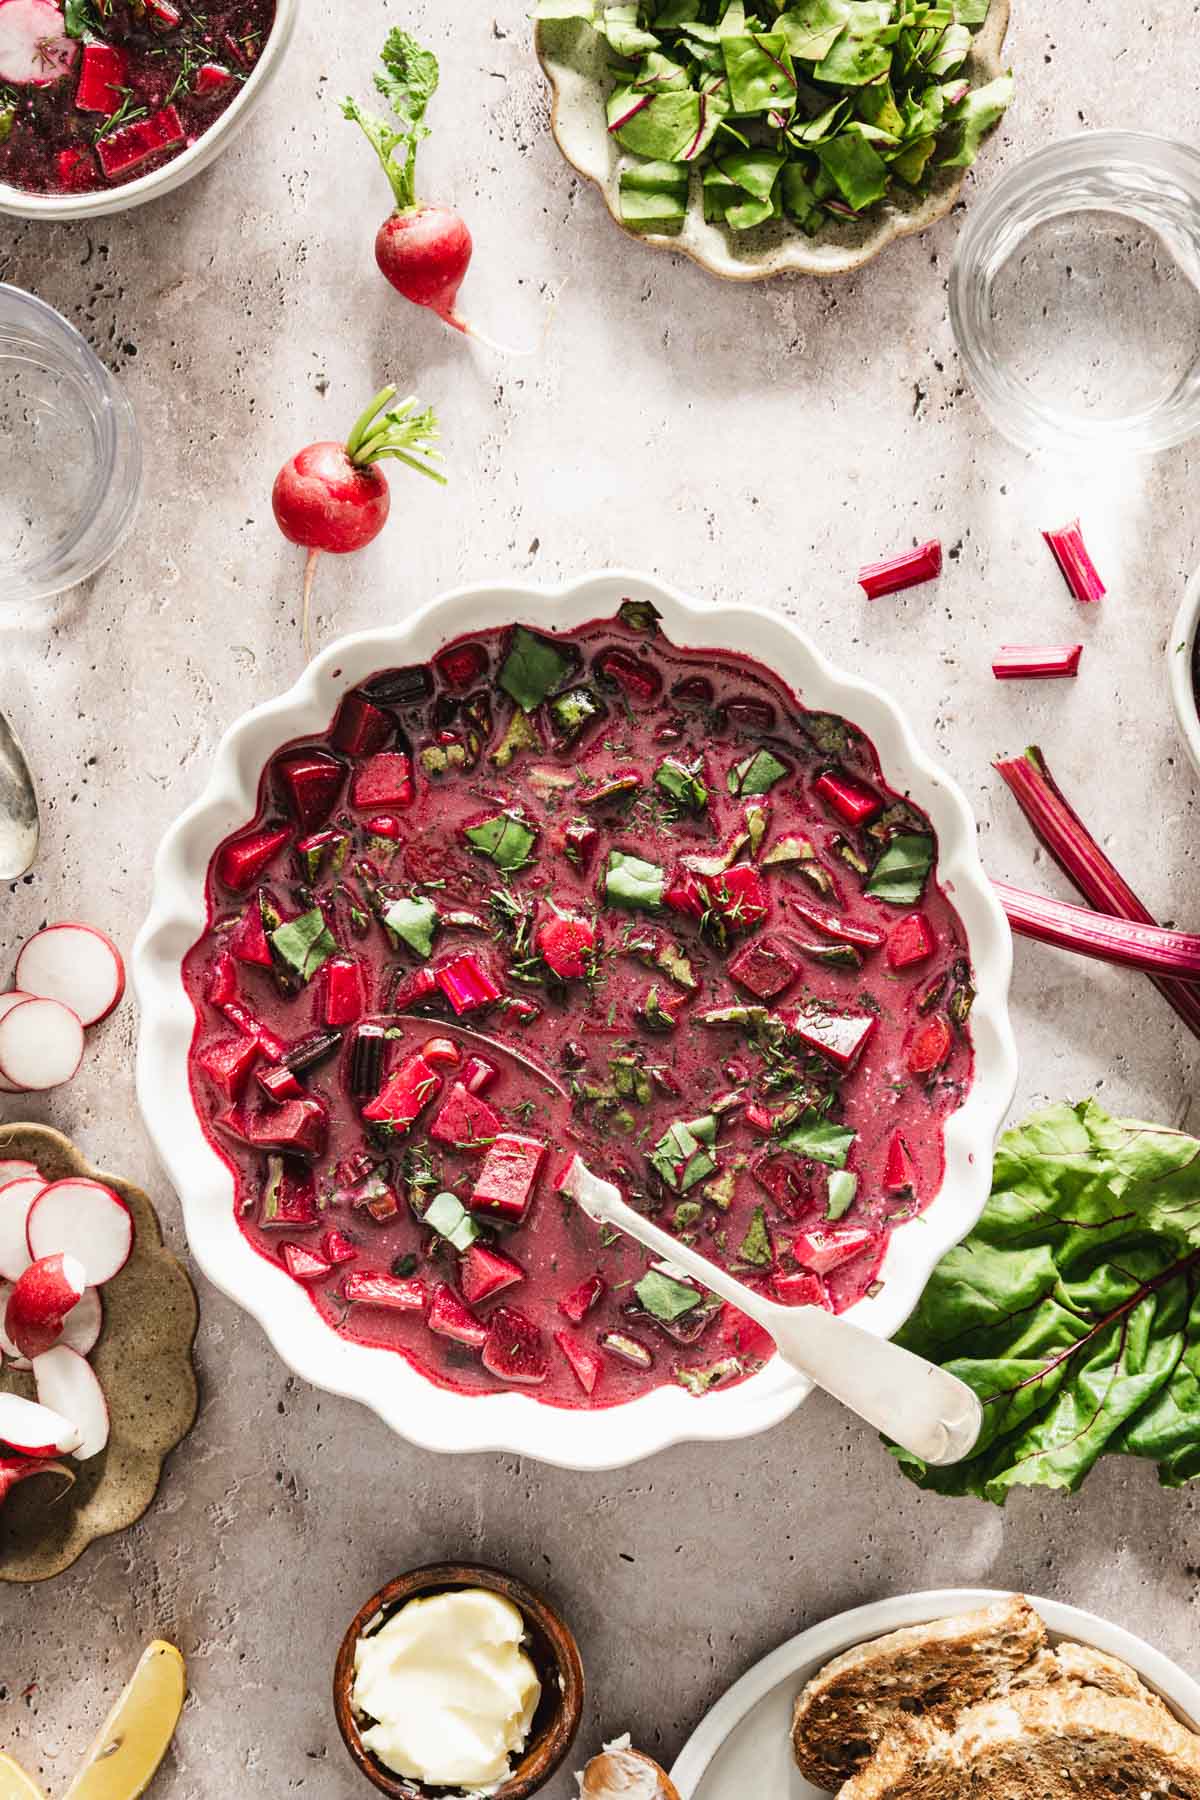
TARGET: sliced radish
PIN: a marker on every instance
(83, 1325)
(40, 1302)
(83, 1219)
(76, 965)
(16, 1469)
(12, 1355)
(36, 1429)
(16, 1199)
(66, 1382)
(41, 1042)
(13, 1170)
(7, 1002)
(34, 46)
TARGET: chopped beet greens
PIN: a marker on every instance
(812, 113)
(591, 892)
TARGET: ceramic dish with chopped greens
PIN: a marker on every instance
(760, 137)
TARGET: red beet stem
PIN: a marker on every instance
(1059, 827)
(898, 572)
(643, 100)
(1149, 948)
(1036, 662)
(1070, 553)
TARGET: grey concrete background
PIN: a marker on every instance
(750, 443)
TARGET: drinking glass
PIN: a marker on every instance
(1075, 295)
(70, 454)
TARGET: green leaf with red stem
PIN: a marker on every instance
(1073, 1309)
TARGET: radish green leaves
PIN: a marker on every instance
(408, 81)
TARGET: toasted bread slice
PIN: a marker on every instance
(1086, 1668)
(1059, 1743)
(937, 1669)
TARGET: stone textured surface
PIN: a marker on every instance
(755, 443)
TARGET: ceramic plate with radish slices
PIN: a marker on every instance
(78, 1236)
(68, 977)
(96, 1326)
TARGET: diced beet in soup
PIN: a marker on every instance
(634, 903)
(118, 88)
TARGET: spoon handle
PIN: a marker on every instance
(925, 1409)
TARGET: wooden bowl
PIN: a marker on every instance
(552, 1649)
(144, 1362)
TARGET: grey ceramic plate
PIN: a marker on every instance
(144, 1362)
(573, 59)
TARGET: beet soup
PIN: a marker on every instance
(95, 93)
(589, 893)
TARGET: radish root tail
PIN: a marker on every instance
(310, 575)
(459, 324)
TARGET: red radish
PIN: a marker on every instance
(8, 1350)
(34, 47)
(13, 1169)
(82, 1327)
(15, 1469)
(76, 965)
(41, 1045)
(40, 1302)
(7, 1002)
(88, 1221)
(67, 1383)
(16, 1199)
(424, 250)
(335, 497)
(35, 1429)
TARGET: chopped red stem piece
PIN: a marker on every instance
(1058, 826)
(898, 572)
(1036, 662)
(1070, 553)
(1147, 947)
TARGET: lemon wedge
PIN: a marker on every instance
(15, 1784)
(137, 1733)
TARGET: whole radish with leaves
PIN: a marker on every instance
(335, 498)
(424, 249)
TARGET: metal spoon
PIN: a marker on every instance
(18, 807)
(928, 1411)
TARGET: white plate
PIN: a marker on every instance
(431, 1416)
(743, 1747)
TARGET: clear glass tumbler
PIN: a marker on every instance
(1075, 295)
(70, 454)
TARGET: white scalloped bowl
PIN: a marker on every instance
(413, 1406)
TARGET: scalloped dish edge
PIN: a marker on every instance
(431, 1416)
